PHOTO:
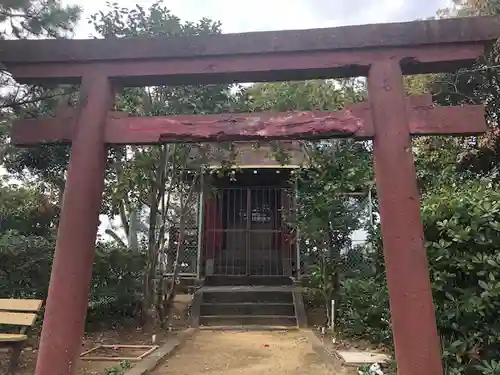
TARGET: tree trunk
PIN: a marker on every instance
(172, 291)
(149, 311)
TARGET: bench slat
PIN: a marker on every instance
(17, 319)
(20, 304)
(12, 337)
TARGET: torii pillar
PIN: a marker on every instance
(381, 52)
(416, 339)
(68, 295)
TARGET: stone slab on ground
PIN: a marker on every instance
(246, 353)
(362, 357)
(152, 361)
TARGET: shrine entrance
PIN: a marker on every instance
(249, 233)
(245, 226)
(382, 53)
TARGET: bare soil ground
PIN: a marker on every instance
(247, 353)
(123, 335)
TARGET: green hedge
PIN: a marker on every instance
(462, 230)
(116, 283)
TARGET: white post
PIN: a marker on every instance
(332, 325)
(370, 207)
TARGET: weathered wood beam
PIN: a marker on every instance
(374, 36)
(254, 68)
(355, 120)
(233, 127)
(215, 128)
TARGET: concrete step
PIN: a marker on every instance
(216, 280)
(257, 270)
(248, 327)
(237, 296)
(250, 320)
(247, 308)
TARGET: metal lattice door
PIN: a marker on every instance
(251, 233)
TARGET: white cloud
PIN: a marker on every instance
(262, 15)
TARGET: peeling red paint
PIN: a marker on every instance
(383, 52)
(355, 120)
(292, 125)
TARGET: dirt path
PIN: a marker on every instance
(247, 353)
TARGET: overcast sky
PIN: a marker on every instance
(262, 15)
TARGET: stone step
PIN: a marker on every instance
(251, 320)
(254, 269)
(247, 308)
(249, 327)
(220, 280)
(240, 296)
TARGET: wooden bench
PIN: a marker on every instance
(20, 314)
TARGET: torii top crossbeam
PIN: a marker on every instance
(422, 46)
(383, 53)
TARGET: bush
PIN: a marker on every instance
(116, 281)
(462, 230)
(26, 263)
(364, 310)
(116, 284)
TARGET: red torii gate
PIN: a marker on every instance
(383, 53)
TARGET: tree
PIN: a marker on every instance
(326, 215)
(458, 180)
(461, 230)
(467, 156)
(33, 19)
(158, 183)
(28, 212)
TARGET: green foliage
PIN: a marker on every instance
(116, 283)
(27, 221)
(118, 369)
(478, 85)
(335, 168)
(489, 367)
(116, 288)
(462, 230)
(26, 264)
(325, 216)
(27, 242)
(437, 161)
(154, 21)
(26, 210)
(364, 309)
(28, 18)
(305, 95)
